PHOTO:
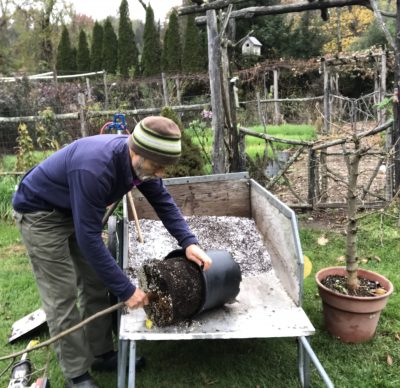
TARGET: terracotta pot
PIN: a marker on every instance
(351, 318)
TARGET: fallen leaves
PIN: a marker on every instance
(322, 241)
(389, 360)
(380, 291)
(362, 260)
(341, 259)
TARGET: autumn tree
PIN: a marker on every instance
(96, 52)
(127, 50)
(172, 53)
(374, 36)
(345, 27)
(151, 56)
(83, 54)
(65, 62)
(110, 48)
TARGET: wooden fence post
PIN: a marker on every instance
(82, 108)
(242, 151)
(105, 90)
(165, 89)
(277, 118)
(312, 165)
(396, 125)
(236, 159)
(260, 112)
(218, 117)
(326, 129)
(178, 90)
(89, 92)
(383, 84)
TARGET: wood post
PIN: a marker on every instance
(236, 159)
(165, 89)
(178, 90)
(242, 150)
(312, 165)
(82, 109)
(383, 80)
(105, 90)
(89, 92)
(260, 113)
(214, 69)
(377, 91)
(277, 113)
(326, 128)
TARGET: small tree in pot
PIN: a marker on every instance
(350, 316)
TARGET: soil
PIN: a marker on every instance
(237, 235)
(367, 287)
(176, 289)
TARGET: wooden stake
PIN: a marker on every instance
(132, 204)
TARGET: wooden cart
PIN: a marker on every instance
(269, 303)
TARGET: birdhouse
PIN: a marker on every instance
(251, 46)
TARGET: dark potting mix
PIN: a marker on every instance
(175, 286)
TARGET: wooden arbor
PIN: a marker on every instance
(220, 85)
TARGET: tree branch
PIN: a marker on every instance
(382, 24)
(251, 12)
(143, 4)
(218, 4)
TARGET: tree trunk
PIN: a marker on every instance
(214, 68)
(351, 242)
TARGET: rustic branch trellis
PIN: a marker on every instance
(316, 188)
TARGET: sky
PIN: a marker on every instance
(100, 9)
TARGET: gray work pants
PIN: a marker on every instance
(69, 288)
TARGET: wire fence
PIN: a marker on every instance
(69, 110)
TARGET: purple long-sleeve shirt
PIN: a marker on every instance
(82, 179)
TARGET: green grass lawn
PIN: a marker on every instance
(254, 145)
(240, 363)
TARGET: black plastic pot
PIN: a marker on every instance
(221, 282)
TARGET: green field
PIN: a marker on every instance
(254, 145)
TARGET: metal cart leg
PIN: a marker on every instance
(122, 361)
(306, 354)
(303, 365)
(132, 364)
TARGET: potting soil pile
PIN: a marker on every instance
(237, 235)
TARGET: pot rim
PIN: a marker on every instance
(361, 298)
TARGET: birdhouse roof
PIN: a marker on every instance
(253, 40)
